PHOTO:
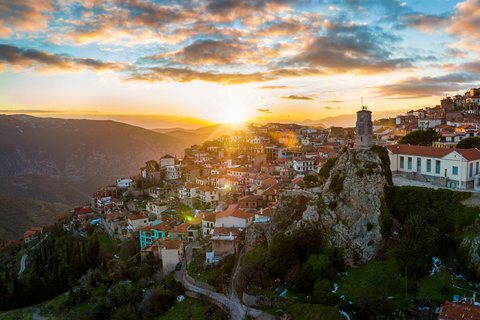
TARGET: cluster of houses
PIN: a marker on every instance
(236, 180)
(454, 119)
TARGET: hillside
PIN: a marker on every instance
(51, 189)
(197, 136)
(77, 149)
(20, 214)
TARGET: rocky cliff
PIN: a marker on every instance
(349, 204)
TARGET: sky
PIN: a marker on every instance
(190, 63)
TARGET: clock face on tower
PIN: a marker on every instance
(361, 116)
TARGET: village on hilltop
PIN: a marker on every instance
(210, 196)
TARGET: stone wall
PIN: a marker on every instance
(416, 176)
(440, 181)
(257, 301)
(200, 284)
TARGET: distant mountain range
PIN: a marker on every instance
(78, 149)
(196, 136)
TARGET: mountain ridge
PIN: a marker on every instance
(78, 149)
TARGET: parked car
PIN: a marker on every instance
(178, 266)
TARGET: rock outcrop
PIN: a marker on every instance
(349, 205)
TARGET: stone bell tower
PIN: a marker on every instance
(364, 128)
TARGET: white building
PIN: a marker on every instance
(156, 207)
(174, 172)
(124, 183)
(459, 166)
(136, 222)
(233, 217)
(207, 195)
(304, 165)
(167, 160)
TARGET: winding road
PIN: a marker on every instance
(22, 264)
(236, 310)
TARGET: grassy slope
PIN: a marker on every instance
(187, 309)
(379, 280)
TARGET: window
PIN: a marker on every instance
(402, 162)
(409, 163)
(476, 165)
(471, 170)
(437, 166)
(455, 170)
(429, 165)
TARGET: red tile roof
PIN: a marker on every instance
(273, 190)
(468, 154)
(171, 244)
(137, 217)
(458, 311)
(250, 198)
(234, 212)
(206, 189)
(181, 228)
(226, 231)
(164, 226)
(267, 212)
(83, 210)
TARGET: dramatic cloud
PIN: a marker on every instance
(19, 58)
(422, 87)
(264, 110)
(361, 50)
(466, 20)
(188, 75)
(290, 27)
(231, 42)
(473, 66)
(24, 15)
(205, 52)
(295, 97)
(425, 22)
(153, 15)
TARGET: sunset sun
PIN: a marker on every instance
(234, 114)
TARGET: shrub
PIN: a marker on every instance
(360, 172)
(382, 153)
(324, 172)
(336, 183)
(333, 205)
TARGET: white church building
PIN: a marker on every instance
(458, 168)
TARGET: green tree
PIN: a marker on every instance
(420, 137)
(310, 180)
(467, 143)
